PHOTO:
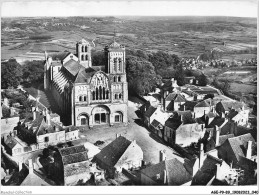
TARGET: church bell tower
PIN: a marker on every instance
(83, 51)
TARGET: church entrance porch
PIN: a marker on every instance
(101, 115)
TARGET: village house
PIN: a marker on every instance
(224, 107)
(148, 114)
(119, 154)
(208, 169)
(167, 172)
(236, 147)
(70, 165)
(201, 109)
(240, 117)
(44, 129)
(173, 101)
(182, 129)
(26, 175)
(13, 145)
(157, 125)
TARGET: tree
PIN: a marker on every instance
(208, 96)
(203, 80)
(11, 73)
(98, 58)
(141, 75)
(179, 75)
(33, 71)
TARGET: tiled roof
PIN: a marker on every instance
(189, 105)
(75, 158)
(173, 123)
(207, 171)
(84, 74)
(228, 105)
(223, 138)
(72, 150)
(113, 151)
(239, 145)
(232, 113)
(10, 142)
(150, 111)
(155, 123)
(72, 66)
(176, 172)
(175, 97)
(216, 121)
(202, 104)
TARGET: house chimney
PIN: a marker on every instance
(217, 135)
(162, 155)
(165, 176)
(218, 172)
(30, 166)
(20, 166)
(15, 132)
(183, 107)
(201, 159)
(48, 117)
(56, 128)
(117, 135)
(223, 115)
(249, 149)
(34, 114)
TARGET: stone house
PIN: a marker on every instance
(236, 147)
(224, 107)
(167, 172)
(119, 154)
(148, 115)
(201, 109)
(182, 129)
(70, 165)
(173, 101)
(14, 146)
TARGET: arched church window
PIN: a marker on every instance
(120, 64)
(100, 93)
(107, 94)
(85, 98)
(82, 48)
(104, 93)
(119, 79)
(96, 94)
(82, 57)
(86, 57)
(85, 48)
(120, 96)
(80, 98)
(115, 64)
(93, 95)
(116, 96)
(114, 78)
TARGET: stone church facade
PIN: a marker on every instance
(85, 96)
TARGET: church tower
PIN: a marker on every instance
(83, 51)
(115, 67)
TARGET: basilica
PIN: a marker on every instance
(87, 96)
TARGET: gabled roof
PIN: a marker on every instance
(176, 97)
(216, 121)
(72, 66)
(175, 170)
(228, 105)
(34, 179)
(202, 104)
(173, 123)
(189, 105)
(75, 160)
(113, 151)
(84, 74)
(150, 111)
(232, 114)
(207, 171)
(239, 145)
(223, 138)
(11, 142)
(155, 123)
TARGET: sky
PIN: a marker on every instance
(239, 8)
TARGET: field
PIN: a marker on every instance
(184, 36)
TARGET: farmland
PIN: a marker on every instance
(184, 36)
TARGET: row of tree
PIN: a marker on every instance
(13, 74)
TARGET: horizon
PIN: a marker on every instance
(235, 8)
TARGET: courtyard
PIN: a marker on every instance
(150, 144)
